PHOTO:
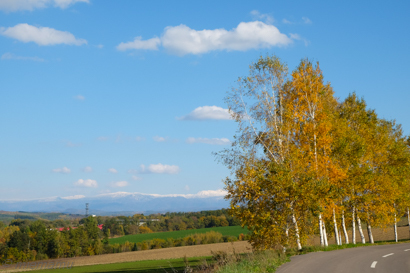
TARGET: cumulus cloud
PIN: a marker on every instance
(88, 169)
(138, 43)
(89, 183)
(79, 97)
(61, 170)
(260, 16)
(43, 36)
(212, 141)
(134, 177)
(182, 40)
(16, 5)
(10, 56)
(73, 197)
(119, 184)
(159, 139)
(160, 168)
(112, 170)
(208, 112)
(306, 20)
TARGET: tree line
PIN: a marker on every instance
(26, 240)
(304, 162)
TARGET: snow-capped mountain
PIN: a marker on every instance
(113, 203)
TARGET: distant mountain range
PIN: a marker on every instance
(122, 203)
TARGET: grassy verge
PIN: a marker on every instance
(154, 266)
(137, 238)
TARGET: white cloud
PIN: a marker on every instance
(132, 171)
(73, 197)
(260, 16)
(138, 138)
(119, 184)
(160, 168)
(42, 36)
(208, 112)
(159, 139)
(212, 141)
(15, 5)
(86, 183)
(202, 194)
(88, 169)
(138, 43)
(10, 56)
(134, 177)
(79, 97)
(61, 170)
(71, 144)
(102, 138)
(285, 21)
(112, 170)
(306, 20)
(100, 46)
(182, 40)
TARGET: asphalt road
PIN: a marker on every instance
(382, 258)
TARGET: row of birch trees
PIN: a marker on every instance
(304, 162)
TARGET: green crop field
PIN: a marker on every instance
(153, 266)
(230, 231)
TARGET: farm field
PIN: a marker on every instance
(151, 266)
(230, 231)
(148, 260)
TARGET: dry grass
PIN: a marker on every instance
(378, 235)
(159, 254)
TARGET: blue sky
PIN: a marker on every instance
(108, 96)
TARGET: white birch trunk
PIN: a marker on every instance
(324, 234)
(359, 225)
(395, 228)
(336, 231)
(296, 231)
(340, 237)
(322, 243)
(353, 227)
(408, 219)
(344, 228)
(369, 232)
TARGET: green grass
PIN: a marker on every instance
(137, 267)
(231, 231)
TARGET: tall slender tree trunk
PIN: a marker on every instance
(322, 243)
(353, 227)
(287, 238)
(369, 229)
(324, 234)
(295, 223)
(395, 228)
(340, 237)
(344, 228)
(408, 219)
(359, 225)
(336, 231)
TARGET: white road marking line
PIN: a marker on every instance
(373, 264)
(407, 250)
(388, 255)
